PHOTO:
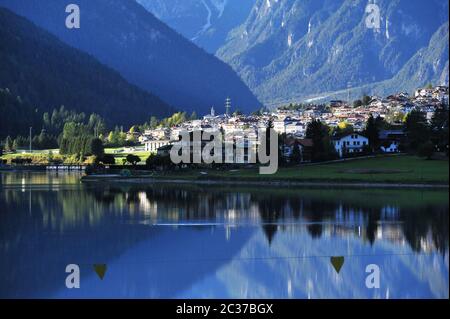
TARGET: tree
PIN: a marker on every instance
(426, 150)
(15, 144)
(155, 161)
(44, 141)
(193, 116)
(76, 140)
(237, 113)
(439, 128)
(50, 157)
(322, 148)
(416, 129)
(281, 140)
(343, 129)
(150, 161)
(97, 148)
(153, 122)
(133, 159)
(296, 155)
(96, 124)
(107, 159)
(9, 144)
(372, 132)
(366, 100)
(357, 103)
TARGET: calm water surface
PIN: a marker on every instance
(161, 241)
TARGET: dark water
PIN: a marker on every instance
(165, 241)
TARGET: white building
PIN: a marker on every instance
(391, 148)
(295, 128)
(289, 126)
(153, 145)
(353, 143)
(156, 134)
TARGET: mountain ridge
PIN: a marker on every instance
(47, 73)
(329, 48)
(205, 22)
(292, 50)
(145, 51)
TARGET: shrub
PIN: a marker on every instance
(108, 159)
(426, 150)
(133, 159)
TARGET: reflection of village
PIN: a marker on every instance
(319, 219)
(178, 207)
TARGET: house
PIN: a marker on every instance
(295, 128)
(391, 140)
(337, 103)
(390, 147)
(351, 143)
(424, 93)
(440, 93)
(156, 134)
(305, 145)
(280, 125)
(396, 135)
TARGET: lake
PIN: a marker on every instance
(170, 241)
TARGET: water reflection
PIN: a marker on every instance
(164, 241)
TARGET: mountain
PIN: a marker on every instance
(205, 22)
(46, 73)
(289, 50)
(145, 51)
(429, 64)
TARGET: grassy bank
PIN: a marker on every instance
(120, 154)
(42, 156)
(390, 169)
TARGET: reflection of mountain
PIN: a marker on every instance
(306, 271)
(164, 265)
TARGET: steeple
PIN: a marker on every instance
(213, 112)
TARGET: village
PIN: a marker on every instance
(399, 123)
(291, 123)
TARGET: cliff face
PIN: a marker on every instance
(290, 49)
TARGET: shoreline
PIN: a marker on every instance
(273, 183)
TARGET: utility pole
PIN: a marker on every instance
(227, 106)
(31, 128)
(349, 86)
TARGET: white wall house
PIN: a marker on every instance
(295, 128)
(353, 143)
